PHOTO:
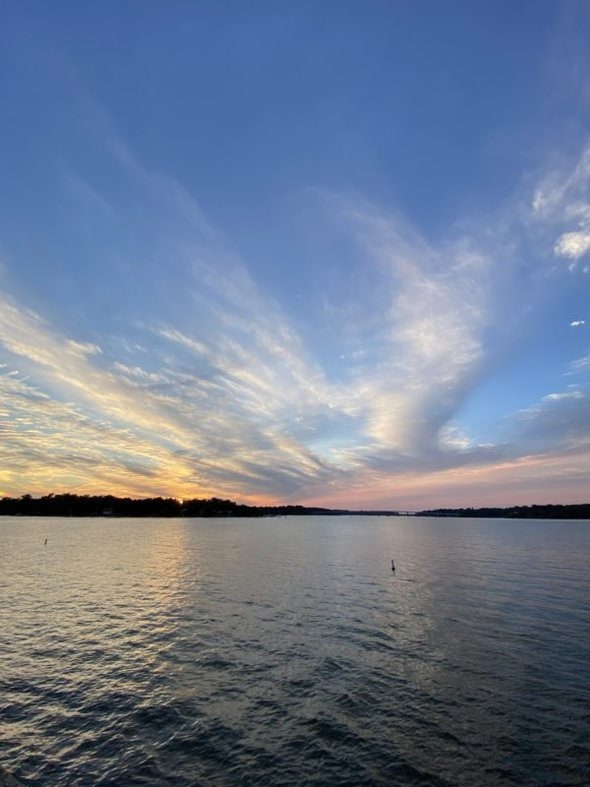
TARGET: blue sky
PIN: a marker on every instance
(332, 252)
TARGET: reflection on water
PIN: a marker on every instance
(284, 651)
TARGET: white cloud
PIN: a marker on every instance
(83, 348)
(573, 244)
(228, 397)
(231, 432)
(560, 422)
(428, 348)
(453, 437)
(579, 365)
(560, 190)
(562, 396)
(563, 200)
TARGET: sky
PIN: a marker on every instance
(328, 253)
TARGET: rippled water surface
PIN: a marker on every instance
(284, 651)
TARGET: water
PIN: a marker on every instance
(285, 652)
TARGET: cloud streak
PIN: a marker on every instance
(228, 397)
(563, 200)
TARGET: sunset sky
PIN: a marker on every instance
(321, 252)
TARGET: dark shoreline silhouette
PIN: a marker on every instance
(108, 505)
(68, 504)
(548, 511)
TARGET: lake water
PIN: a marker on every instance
(285, 652)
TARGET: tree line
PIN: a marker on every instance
(549, 511)
(69, 504)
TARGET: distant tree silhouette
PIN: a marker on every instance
(572, 511)
(68, 504)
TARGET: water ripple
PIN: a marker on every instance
(283, 652)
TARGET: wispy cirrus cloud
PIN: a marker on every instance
(220, 393)
(212, 434)
(560, 421)
(579, 365)
(430, 342)
(50, 444)
(562, 199)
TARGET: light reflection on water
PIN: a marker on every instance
(284, 651)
